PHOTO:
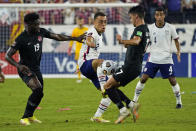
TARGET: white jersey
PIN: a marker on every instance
(88, 53)
(161, 43)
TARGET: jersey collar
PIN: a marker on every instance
(159, 27)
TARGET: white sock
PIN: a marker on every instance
(176, 90)
(131, 104)
(101, 77)
(138, 90)
(123, 109)
(105, 102)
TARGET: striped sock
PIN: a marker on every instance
(105, 102)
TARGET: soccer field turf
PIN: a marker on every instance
(157, 110)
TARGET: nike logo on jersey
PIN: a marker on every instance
(121, 71)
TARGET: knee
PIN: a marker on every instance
(143, 80)
(39, 92)
(34, 86)
(172, 81)
(109, 90)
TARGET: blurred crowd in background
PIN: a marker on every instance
(178, 11)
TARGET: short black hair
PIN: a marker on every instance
(139, 10)
(160, 8)
(31, 17)
(99, 14)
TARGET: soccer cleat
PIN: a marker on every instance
(122, 116)
(33, 119)
(99, 119)
(178, 106)
(134, 111)
(25, 122)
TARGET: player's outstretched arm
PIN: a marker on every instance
(24, 69)
(134, 41)
(178, 49)
(61, 37)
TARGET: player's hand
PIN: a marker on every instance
(126, 46)
(119, 39)
(178, 56)
(2, 77)
(69, 50)
(103, 92)
(24, 69)
(77, 70)
(81, 38)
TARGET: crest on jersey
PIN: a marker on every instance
(39, 38)
(139, 33)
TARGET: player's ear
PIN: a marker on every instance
(136, 16)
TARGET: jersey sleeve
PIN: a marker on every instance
(91, 33)
(45, 33)
(17, 43)
(138, 32)
(150, 28)
(174, 33)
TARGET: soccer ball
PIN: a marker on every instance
(108, 67)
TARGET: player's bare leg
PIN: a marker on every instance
(33, 101)
(110, 87)
(96, 63)
(176, 90)
(98, 116)
(140, 86)
(79, 80)
(105, 101)
(2, 76)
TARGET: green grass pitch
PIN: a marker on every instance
(157, 112)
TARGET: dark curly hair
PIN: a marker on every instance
(31, 17)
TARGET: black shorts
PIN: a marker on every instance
(26, 78)
(124, 77)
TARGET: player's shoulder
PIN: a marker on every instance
(170, 26)
(22, 36)
(151, 25)
(76, 28)
(43, 30)
(85, 28)
(91, 29)
(91, 32)
(141, 27)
